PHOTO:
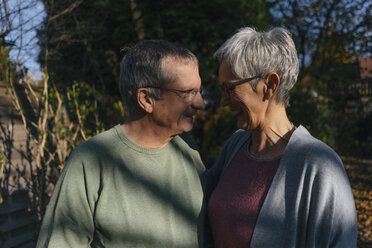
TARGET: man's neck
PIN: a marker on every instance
(146, 134)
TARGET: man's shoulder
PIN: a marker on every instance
(104, 138)
(96, 145)
(189, 148)
(188, 139)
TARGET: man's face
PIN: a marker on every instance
(174, 111)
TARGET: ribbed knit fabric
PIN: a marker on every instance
(235, 204)
(115, 193)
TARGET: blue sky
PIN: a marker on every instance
(26, 49)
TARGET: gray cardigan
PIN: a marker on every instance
(309, 203)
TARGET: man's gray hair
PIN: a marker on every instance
(250, 53)
(144, 65)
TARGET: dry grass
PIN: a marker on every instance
(360, 175)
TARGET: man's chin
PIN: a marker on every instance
(187, 127)
(187, 124)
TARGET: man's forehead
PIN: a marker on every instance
(171, 60)
(184, 75)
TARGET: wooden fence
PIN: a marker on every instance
(363, 88)
(19, 222)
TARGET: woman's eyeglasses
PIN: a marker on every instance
(227, 87)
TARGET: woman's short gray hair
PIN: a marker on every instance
(251, 53)
(144, 65)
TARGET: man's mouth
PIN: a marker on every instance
(191, 116)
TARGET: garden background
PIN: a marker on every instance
(80, 44)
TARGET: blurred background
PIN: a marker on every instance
(59, 73)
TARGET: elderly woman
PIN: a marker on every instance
(274, 184)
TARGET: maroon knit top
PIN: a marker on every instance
(234, 205)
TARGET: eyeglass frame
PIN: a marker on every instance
(178, 92)
(227, 87)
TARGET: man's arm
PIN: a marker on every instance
(68, 221)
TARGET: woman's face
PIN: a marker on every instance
(246, 103)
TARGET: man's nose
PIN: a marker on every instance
(198, 102)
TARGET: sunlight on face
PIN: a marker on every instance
(173, 111)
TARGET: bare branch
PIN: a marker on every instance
(6, 14)
(68, 10)
(78, 113)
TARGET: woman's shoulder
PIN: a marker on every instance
(303, 146)
(232, 144)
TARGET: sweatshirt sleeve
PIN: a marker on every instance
(68, 221)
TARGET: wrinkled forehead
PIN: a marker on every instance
(172, 65)
(170, 60)
(182, 73)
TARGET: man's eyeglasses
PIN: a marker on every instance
(187, 95)
(227, 87)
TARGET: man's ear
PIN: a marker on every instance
(145, 100)
(272, 82)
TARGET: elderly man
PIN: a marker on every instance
(139, 183)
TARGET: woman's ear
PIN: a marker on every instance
(145, 100)
(272, 82)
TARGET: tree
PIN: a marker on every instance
(79, 45)
(81, 41)
(330, 36)
(315, 22)
(18, 22)
(55, 120)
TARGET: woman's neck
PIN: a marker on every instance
(270, 139)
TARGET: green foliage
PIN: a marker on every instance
(212, 128)
(81, 44)
(202, 26)
(84, 44)
(312, 111)
(92, 52)
(329, 36)
(86, 47)
(91, 108)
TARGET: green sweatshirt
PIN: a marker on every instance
(115, 193)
